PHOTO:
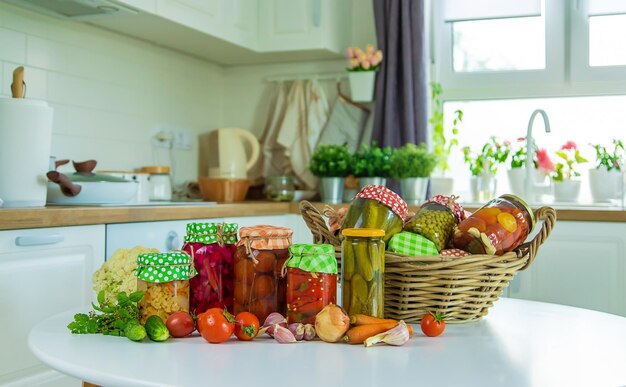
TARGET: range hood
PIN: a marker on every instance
(75, 9)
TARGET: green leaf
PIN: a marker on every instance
(136, 296)
(101, 297)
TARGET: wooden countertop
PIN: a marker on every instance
(13, 218)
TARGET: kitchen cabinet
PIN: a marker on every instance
(42, 272)
(142, 5)
(296, 25)
(582, 264)
(202, 15)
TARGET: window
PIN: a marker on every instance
(607, 46)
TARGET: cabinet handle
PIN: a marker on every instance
(38, 240)
(317, 13)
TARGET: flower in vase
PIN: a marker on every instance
(570, 145)
(546, 166)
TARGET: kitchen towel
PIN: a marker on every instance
(345, 126)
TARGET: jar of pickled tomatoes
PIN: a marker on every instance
(212, 248)
(311, 273)
(496, 228)
(261, 254)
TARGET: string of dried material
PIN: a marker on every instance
(462, 289)
(249, 239)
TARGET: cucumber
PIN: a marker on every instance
(134, 330)
(156, 329)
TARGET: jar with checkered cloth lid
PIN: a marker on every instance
(261, 254)
(212, 246)
(311, 273)
(362, 271)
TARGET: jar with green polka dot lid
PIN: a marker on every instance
(164, 279)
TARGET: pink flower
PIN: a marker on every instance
(369, 49)
(350, 53)
(570, 145)
(354, 63)
(520, 139)
(545, 164)
(374, 61)
(507, 143)
(365, 64)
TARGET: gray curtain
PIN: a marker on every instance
(401, 87)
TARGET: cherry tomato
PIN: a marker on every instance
(266, 260)
(216, 325)
(263, 286)
(180, 324)
(433, 324)
(246, 326)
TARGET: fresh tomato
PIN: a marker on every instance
(216, 325)
(433, 324)
(180, 324)
(246, 326)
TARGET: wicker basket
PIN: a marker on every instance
(462, 289)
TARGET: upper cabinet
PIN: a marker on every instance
(240, 31)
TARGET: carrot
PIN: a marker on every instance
(363, 319)
(358, 334)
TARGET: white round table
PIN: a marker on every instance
(520, 343)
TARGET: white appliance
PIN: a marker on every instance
(227, 154)
(25, 137)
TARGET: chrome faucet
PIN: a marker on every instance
(529, 184)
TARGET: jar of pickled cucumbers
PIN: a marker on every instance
(261, 254)
(164, 279)
(311, 273)
(362, 271)
(496, 228)
(212, 248)
(436, 219)
(378, 207)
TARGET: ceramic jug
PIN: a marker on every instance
(227, 153)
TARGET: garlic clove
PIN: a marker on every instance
(283, 335)
(397, 335)
(297, 329)
(309, 332)
(274, 318)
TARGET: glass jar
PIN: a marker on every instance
(496, 228)
(435, 220)
(212, 248)
(164, 279)
(362, 271)
(261, 253)
(311, 273)
(160, 182)
(376, 206)
(280, 188)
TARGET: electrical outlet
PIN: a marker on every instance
(174, 138)
(162, 138)
(182, 140)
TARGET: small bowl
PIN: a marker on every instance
(223, 190)
(300, 195)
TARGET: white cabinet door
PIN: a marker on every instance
(142, 5)
(290, 24)
(240, 22)
(202, 15)
(42, 272)
(582, 264)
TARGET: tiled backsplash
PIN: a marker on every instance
(109, 92)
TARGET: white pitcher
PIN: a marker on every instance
(227, 154)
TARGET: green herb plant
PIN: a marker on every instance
(518, 155)
(112, 318)
(442, 145)
(412, 160)
(331, 161)
(570, 156)
(610, 160)
(372, 161)
(492, 154)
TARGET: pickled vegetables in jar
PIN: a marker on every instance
(362, 271)
(311, 274)
(261, 253)
(496, 228)
(377, 207)
(212, 247)
(164, 279)
(436, 219)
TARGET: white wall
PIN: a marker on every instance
(109, 91)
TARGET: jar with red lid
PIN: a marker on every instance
(311, 273)
(496, 228)
(377, 207)
(261, 254)
(213, 248)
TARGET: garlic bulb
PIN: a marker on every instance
(298, 330)
(283, 335)
(331, 323)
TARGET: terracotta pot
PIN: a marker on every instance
(223, 190)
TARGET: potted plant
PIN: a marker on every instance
(483, 167)
(412, 165)
(517, 171)
(372, 164)
(363, 65)
(607, 179)
(331, 163)
(440, 184)
(565, 185)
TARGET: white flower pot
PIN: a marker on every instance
(606, 185)
(414, 189)
(440, 185)
(566, 190)
(483, 187)
(362, 84)
(517, 181)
